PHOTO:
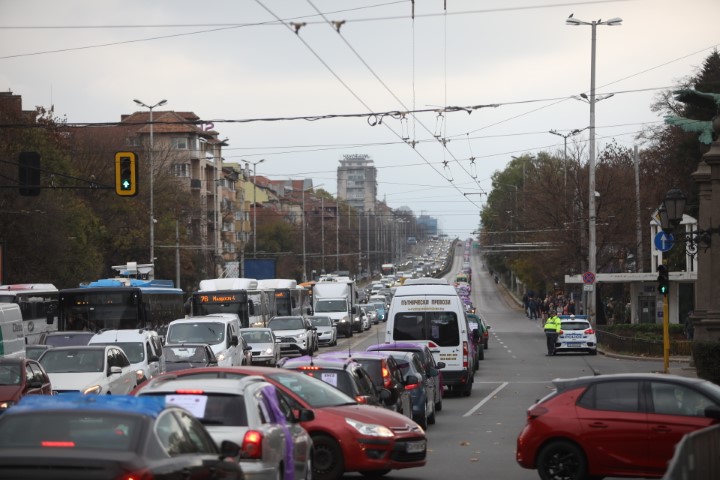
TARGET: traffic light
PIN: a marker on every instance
(126, 174)
(663, 280)
(29, 174)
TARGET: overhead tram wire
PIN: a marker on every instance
(389, 90)
(350, 90)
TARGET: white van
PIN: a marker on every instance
(219, 330)
(12, 338)
(433, 315)
(142, 347)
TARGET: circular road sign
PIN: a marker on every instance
(664, 241)
(588, 278)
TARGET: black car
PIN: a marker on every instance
(188, 355)
(109, 437)
(74, 338)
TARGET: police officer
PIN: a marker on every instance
(552, 328)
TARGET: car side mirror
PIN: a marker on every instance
(114, 371)
(411, 380)
(251, 307)
(229, 449)
(234, 341)
(35, 384)
(713, 411)
(440, 365)
(247, 349)
(153, 358)
(309, 311)
(354, 310)
(305, 415)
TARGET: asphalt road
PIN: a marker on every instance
(475, 436)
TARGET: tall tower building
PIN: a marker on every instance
(357, 181)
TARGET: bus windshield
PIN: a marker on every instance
(96, 310)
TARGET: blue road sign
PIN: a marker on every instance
(664, 241)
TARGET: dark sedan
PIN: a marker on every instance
(20, 377)
(109, 437)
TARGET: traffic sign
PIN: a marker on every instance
(588, 278)
(588, 287)
(664, 241)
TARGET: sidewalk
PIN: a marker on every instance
(681, 366)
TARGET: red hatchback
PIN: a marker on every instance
(20, 377)
(624, 425)
(347, 436)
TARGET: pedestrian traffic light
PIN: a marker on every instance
(29, 174)
(663, 280)
(126, 174)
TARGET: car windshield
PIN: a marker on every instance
(257, 337)
(70, 429)
(69, 340)
(73, 360)
(212, 409)
(134, 350)
(313, 391)
(185, 354)
(286, 323)
(330, 306)
(197, 332)
(10, 374)
(321, 321)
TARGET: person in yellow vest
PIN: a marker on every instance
(552, 329)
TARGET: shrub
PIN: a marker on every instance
(707, 360)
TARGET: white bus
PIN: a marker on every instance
(38, 304)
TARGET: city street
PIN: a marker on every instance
(474, 437)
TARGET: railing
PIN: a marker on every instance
(642, 346)
(696, 456)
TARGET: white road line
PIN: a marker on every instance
(486, 399)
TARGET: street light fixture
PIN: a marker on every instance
(254, 164)
(592, 254)
(152, 166)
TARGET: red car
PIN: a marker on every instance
(347, 436)
(20, 377)
(624, 425)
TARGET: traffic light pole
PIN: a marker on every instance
(666, 334)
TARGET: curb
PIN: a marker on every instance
(634, 357)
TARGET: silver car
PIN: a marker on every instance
(249, 412)
(265, 346)
(326, 330)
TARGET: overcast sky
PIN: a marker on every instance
(234, 60)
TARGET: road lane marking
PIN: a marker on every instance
(486, 399)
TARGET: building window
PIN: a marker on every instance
(133, 141)
(180, 143)
(182, 170)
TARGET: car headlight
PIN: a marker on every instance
(370, 429)
(221, 357)
(95, 389)
(302, 335)
(268, 351)
(7, 404)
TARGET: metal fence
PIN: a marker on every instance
(641, 346)
(696, 456)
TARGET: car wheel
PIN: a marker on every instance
(431, 418)
(561, 459)
(438, 404)
(467, 390)
(481, 353)
(327, 458)
(374, 473)
(422, 418)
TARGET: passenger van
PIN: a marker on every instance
(12, 338)
(433, 314)
(219, 330)
(142, 347)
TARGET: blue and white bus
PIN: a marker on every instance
(120, 303)
(38, 306)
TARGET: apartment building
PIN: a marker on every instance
(357, 182)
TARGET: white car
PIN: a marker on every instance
(296, 334)
(265, 347)
(576, 335)
(142, 347)
(249, 412)
(99, 369)
(326, 330)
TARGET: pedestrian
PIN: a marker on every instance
(552, 328)
(689, 327)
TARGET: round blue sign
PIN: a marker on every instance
(664, 241)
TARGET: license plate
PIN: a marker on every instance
(415, 447)
(574, 344)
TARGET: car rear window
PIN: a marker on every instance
(373, 369)
(575, 325)
(86, 430)
(440, 327)
(212, 409)
(339, 379)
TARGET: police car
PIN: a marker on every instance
(576, 335)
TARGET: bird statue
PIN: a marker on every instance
(704, 127)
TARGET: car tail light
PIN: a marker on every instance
(465, 354)
(386, 377)
(309, 367)
(560, 332)
(589, 331)
(190, 392)
(412, 386)
(536, 411)
(252, 444)
(432, 345)
(57, 444)
(144, 474)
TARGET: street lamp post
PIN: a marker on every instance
(592, 253)
(304, 225)
(565, 137)
(152, 166)
(254, 164)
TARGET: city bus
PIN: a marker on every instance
(240, 296)
(38, 305)
(289, 298)
(120, 303)
(388, 270)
